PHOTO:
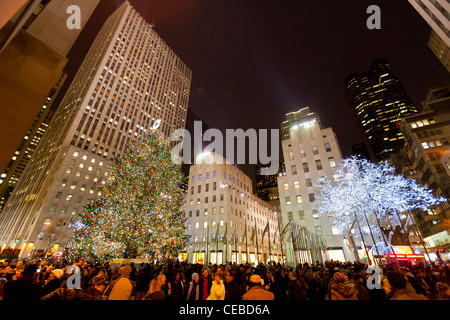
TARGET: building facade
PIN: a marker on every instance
(426, 158)
(378, 101)
(13, 171)
(130, 81)
(220, 204)
(311, 153)
(33, 47)
(437, 14)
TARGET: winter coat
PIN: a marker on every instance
(343, 291)
(233, 291)
(62, 294)
(90, 294)
(296, 290)
(406, 294)
(176, 290)
(51, 286)
(121, 289)
(217, 291)
(257, 292)
(24, 289)
(361, 291)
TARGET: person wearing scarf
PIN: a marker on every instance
(194, 288)
(342, 288)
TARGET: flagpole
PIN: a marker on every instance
(257, 249)
(246, 242)
(268, 236)
(217, 244)
(206, 249)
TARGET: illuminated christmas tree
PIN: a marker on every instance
(139, 210)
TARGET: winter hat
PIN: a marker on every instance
(340, 277)
(58, 273)
(396, 279)
(194, 276)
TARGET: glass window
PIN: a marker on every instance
(319, 231)
(288, 200)
(332, 162)
(327, 147)
(319, 165)
(305, 167)
(312, 197)
(301, 213)
(294, 170)
(296, 185)
(308, 182)
(53, 208)
(315, 150)
(299, 199)
(302, 153)
(286, 186)
(291, 155)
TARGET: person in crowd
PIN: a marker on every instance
(217, 288)
(256, 290)
(176, 287)
(95, 291)
(232, 288)
(296, 287)
(442, 291)
(205, 283)
(399, 289)
(193, 293)
(122, 288)
(357, 281)
(342, 288)
(24, 289)
(53, 282)
(156, 291)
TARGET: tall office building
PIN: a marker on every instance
(379, 101)
(437, 14)
(34, 43)
(220, 202)
(13, 171)
(426, 157)
(311, 153)
(129, 82)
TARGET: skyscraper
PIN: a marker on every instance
(130, 81)
(379, 101)
(34, 43)
(437, 14)
(311, 153)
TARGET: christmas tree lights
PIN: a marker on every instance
(139, 211)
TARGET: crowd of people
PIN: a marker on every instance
(332, 280)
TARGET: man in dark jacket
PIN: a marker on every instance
(232, 288)
(296, 287)
(23, 289)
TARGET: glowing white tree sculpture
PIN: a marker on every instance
(362, 191)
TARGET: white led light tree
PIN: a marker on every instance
(369, 193)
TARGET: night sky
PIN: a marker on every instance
(253, 61)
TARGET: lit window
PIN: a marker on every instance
(288, 200)
(332, 162)
(319, 231)
(69, 197)
(286, 186)
(334, 230)
(299, 199)
(296, 185)
(75, 154)
(84, 157)
(425, 145)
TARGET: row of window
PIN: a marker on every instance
(434, 143)
(299, 199)
(318, 163)
(315, 151)
(230, 178)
